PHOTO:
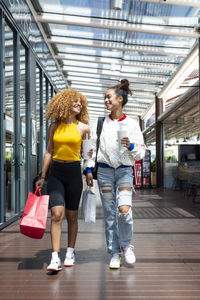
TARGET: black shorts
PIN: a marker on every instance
(65, 184)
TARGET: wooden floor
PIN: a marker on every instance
(167, 247)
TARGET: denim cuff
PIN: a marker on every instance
(131, 147)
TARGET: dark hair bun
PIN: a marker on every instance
(125, 86)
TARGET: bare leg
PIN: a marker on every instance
(57, 215)
(72, 220)
(124, 208)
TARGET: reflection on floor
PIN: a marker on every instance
(167, 243)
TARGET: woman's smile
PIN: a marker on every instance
(108, 104)
(77, 107)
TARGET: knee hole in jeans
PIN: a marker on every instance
(125, 216)
(124, 209)
(124, 187)
(106, 191)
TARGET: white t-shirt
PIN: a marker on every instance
(109, 152)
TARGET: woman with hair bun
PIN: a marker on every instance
(115, 160)
(68, 109)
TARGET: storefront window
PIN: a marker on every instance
(171, 154)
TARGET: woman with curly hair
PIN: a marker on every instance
(115, 160)
(68, 109)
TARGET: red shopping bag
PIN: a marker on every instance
(34, 219)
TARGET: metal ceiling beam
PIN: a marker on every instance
(118, 62)
(190, 94)
(154, 87)
(169, 43)
(95, 111)
(114, 25)
(165, 21)
(111, 82)
(101, 91)
(90, 52)
(96, 74)
(100, 103)
(34, 13)
(129, 70)
(116, 46)
(115, 37)
(182, 72)
(128, 107)
(112, 14)
(194, 3)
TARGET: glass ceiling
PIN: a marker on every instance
(92, 46)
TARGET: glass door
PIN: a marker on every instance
(15, 125)
(9, 125)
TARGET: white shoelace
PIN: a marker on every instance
(116, 256)
(54, 261)
(129, 250)
(70, 255)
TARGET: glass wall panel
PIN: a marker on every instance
(38, 115)
(9, 125)
(150, 141)
(22, 127)
(44, 114)
(170, 154)
(182, 152)
(48, 91)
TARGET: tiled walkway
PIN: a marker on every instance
(167, 247)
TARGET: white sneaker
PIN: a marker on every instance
(69, 259)
(129, 254)
(55, 264)
(115, 261)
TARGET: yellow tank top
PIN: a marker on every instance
(67, 142)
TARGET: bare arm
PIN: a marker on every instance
(48, 154)
(46, 164)
(86, 132)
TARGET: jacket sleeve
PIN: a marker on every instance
(136, 137)
(91, 162)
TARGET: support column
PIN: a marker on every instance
(28, 123)
(199, 74)
(2, 119)
(159, 143)
(47, 100)
(16, 59)
(141, 122)
(41, 121)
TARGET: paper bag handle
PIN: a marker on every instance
(38, 189)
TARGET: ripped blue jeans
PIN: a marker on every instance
(115, 187)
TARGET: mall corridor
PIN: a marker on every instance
(167, 243)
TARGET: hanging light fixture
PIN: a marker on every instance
(117, 4)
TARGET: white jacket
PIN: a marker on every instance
(109, 152)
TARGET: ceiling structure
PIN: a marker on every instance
(96, 43)
(181, 120)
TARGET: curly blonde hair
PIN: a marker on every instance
(58, 107)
